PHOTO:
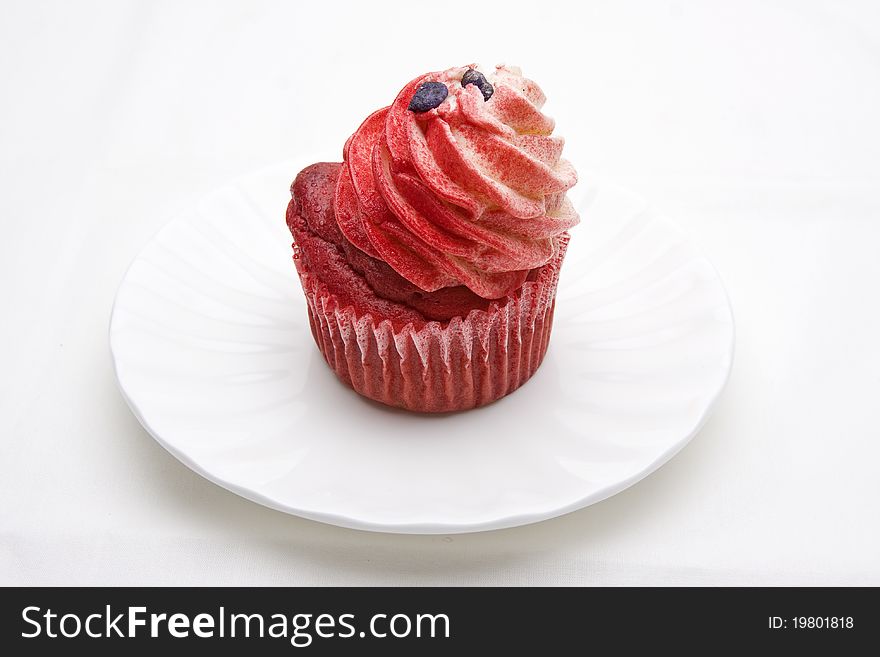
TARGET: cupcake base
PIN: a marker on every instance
(390, 353)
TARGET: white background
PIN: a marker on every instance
(755, 125)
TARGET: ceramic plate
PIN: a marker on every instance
(212, 349)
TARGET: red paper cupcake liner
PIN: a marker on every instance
(438, 367)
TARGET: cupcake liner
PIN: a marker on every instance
(438, 367)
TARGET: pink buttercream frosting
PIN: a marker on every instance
(469, 193)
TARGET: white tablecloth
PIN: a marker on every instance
(755, 125)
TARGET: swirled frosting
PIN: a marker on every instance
(471, 192)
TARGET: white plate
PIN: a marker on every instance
(213, 353)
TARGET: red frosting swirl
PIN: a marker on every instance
(470, 193)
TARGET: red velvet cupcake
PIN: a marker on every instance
(430, 256)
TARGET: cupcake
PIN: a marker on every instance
(429, 256)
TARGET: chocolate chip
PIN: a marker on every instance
(479, 80)
(428, 96)
(472, 76)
